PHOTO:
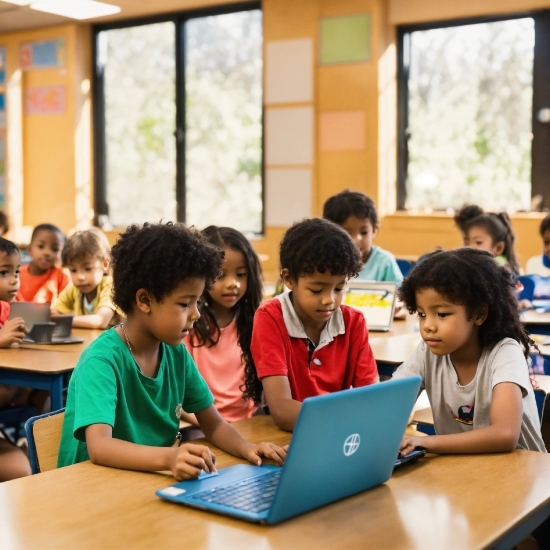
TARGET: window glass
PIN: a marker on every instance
(223, 85)
(469, 108)
(140, 115)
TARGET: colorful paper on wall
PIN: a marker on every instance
(49, 54)
(45, 100)
(288, 196)
(289, 71)
(342, 131)
(289, 136)
(2, 66)
(345, 39)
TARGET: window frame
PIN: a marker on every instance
(179, 19)
(540, 160)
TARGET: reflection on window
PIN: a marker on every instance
(223, 79)
(140, 115)
(470, 102)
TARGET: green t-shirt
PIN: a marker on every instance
(107, 387)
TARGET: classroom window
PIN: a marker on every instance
(140, 115)
(466, 129)
(178, 120)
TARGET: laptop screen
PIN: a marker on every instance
(376, 301)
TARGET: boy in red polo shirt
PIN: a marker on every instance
(304, 343)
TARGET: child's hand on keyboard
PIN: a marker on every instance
(267, 450)
(189, 460)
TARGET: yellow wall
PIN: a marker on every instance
(49, 163)
(49, 156)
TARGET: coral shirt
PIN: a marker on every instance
(223, 369)
(342, 359)
(5, 308)
(43, 289)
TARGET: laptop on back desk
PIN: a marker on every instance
(343, 443)
(375, 300)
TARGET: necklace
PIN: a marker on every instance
(179, 407)
(129, 346)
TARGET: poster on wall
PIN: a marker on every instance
(2, 66)
(49, 54)
(45, 100)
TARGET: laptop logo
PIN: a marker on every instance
(351, 444)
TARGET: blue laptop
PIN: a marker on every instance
(343, 443)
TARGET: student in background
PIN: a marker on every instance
(4, 224)
(88, 298)
(490, 232)
(42, 280)
(304, 342)
(220, 340)
(540, 265)
(130, 385)
(13, 461)
(356, 213)
(473, 357)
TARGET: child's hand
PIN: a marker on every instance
(408, 444)
(188, 460)
(12, 332)
(267, 450)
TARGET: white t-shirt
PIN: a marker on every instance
(535, 266)
(459, 408)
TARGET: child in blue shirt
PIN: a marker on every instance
(356, 213)
(131, 384)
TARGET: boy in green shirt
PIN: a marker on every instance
(130, 385)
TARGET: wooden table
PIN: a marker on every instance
(459, 502)
(391, 352)
(43, 366)
(407, 325)
(536, 322)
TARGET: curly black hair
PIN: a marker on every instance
(544, 225)
(346, 204)
(7, 247)
(47, 227)
(498, 226)
(471, 278)
(318, 245)
(158, 257)
(206, 330)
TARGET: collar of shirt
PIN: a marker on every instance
(334, 326)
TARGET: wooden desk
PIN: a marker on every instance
(43, 366)
(407, 325)
(391, 352)
(459, 502)
(536, 322)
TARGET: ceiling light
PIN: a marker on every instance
(76, 9)
(18, 2)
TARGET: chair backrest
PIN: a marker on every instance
(540, 398)
(404, 265)
(44, 436)
(528, 290)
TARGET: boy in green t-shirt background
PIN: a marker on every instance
(130, 385)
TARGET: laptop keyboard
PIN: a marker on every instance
(250, 495)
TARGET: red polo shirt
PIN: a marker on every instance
(343, 358)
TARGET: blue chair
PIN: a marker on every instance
(540, 398)
(43, 437)
(404, 265)
(528, 283)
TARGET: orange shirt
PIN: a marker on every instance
(5, 308)
(223, 369)
(43, 289)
